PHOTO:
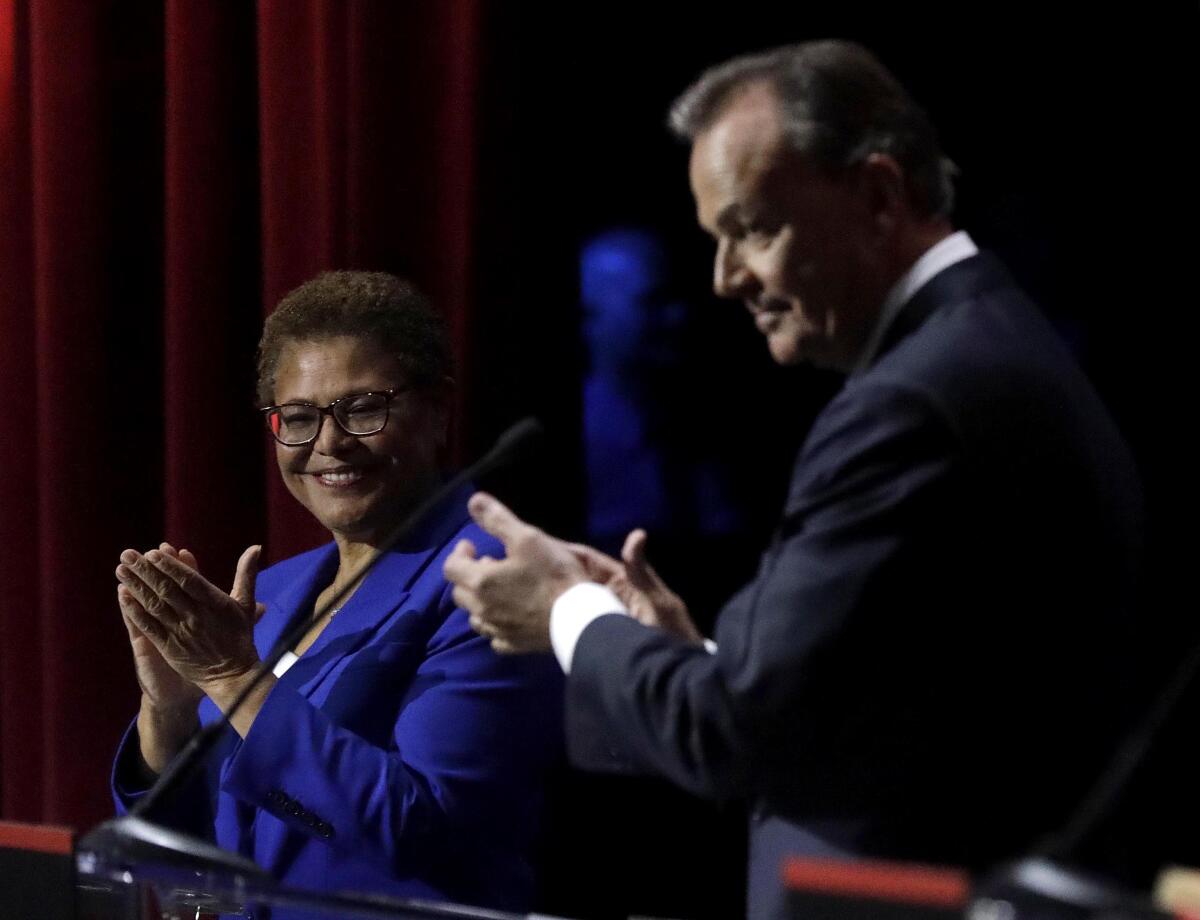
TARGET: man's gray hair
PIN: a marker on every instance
(839, 104)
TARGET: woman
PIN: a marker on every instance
(392, 751)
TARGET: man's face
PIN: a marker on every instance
(795, 244)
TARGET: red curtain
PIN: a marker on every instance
(167, 172)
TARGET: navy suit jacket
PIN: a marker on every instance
(927, 665)
(399, 755)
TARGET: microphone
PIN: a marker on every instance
(116, 835)
(514, 444)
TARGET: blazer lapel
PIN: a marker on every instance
(960, 281)
(385, 590)
(296, 600)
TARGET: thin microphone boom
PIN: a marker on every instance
(1105, 793)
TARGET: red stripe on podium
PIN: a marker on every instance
(911, 884)
(44, 838)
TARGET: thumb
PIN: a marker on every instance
(245, 577)
(633, 554)
(494, 517)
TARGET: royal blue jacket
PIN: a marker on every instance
(399, 755)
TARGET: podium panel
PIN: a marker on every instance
(37, 872)
(132, 869)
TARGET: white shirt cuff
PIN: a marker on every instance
(574, 609)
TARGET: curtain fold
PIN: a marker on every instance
(211, 307)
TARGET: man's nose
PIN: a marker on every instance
(731, 278)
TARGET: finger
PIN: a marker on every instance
(127, 605)
(597, 563)
(187, 581)
(494, 517)
(142, 565)
(183, 555)
(245, 576)
(134, 632)
(504, 647)
(260, 610)
(158, 595)
(634, 549)
(461, 563)
(466, 599)
(138, 618)
(160, 571)
(641, 573)
(481, 626)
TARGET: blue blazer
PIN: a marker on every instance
(928, 664)
(399, 755)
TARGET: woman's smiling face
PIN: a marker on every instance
(358, 487)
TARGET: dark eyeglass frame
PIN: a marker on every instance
(331, 411)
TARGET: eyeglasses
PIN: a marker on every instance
(358, 414)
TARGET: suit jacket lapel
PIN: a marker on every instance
(958, 282)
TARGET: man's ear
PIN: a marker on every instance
(885, 189)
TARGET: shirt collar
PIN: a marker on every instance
(938, 257)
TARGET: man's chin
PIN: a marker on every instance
(787, 350)
(791, 351)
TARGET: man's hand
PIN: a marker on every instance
(509, 599)
(639, 587)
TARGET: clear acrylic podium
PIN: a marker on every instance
(128, 869)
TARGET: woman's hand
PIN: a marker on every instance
(205, 636)
(639, 587)
(162, 688)
(167, 717)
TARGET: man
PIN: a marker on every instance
(925, 666)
